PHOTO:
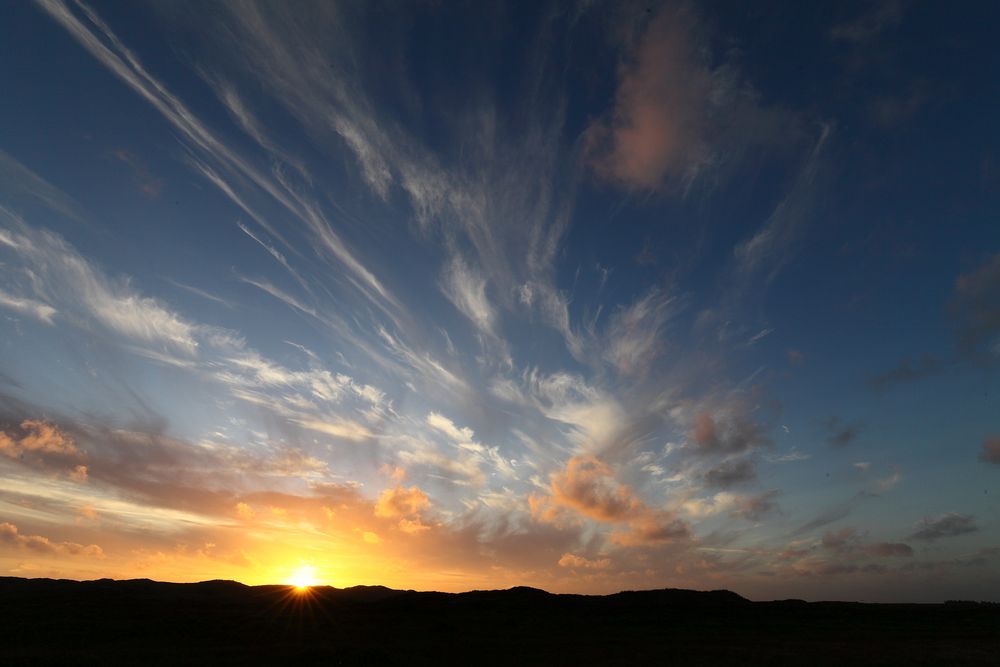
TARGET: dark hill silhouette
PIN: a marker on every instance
(106, 622)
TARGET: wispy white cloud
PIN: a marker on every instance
(635, 334)
(280, 295)
(200, 292)
(466, 289)
(346, 430)
(250, 124)
(507, 208)
(17, 180)
(315, 398)
(447, 426)
(56, 273)
(596, 416)
(770, 248)
(475, 453)
(426, 366)
(36, 309)
(96, 36)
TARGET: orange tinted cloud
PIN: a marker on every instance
(401, 502)
(395, 473)
(579, 562)
(244, 511)
(588, 486)
(406, 504)
(10, 535)
(36, 436)
(652, 527)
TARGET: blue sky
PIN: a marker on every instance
(587, 296)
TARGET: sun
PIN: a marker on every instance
(303, 577)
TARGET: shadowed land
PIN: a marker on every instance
(103, 622)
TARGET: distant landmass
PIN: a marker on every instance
(143, 622)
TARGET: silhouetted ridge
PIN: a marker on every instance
(107, 622)
(366, 593)
(527, 590)
(682, 596)
(515, 593)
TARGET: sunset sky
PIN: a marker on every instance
(587, 296)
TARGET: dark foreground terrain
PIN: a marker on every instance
(141, 622)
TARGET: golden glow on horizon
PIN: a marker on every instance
(303, 577)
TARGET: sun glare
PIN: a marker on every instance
(303, 577)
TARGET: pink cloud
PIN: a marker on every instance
(657, 127)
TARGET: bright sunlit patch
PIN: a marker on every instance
(303, 577)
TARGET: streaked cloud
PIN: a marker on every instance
(950, 524)
(907, 370)
(18, 181)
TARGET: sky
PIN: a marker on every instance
(587, 296)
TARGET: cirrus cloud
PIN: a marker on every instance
(950, 524)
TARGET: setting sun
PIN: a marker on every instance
(303, 577)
